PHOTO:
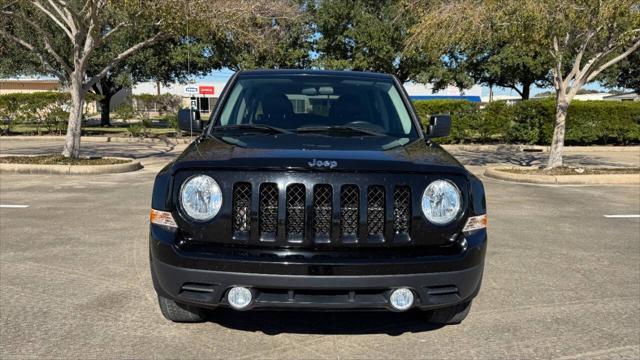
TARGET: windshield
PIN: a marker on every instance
(335, 105)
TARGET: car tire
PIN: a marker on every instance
(450, 315)
(176, 312)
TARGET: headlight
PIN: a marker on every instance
(441, 202)
(200, 197)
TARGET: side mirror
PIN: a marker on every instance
(439, 126)
(189, 120)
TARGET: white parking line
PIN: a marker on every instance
(14, 206)
(622, 216)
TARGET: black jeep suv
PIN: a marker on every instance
(316, 190)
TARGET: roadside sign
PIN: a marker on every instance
(191, 89)
(206, 90)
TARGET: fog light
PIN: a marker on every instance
(401, 299)
(239, 297)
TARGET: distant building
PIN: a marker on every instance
(591, 97)
(426, 92)
(631, 96)
(509, 99)
(600, 96)
(28, 85)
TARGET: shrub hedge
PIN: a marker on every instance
(531, 121)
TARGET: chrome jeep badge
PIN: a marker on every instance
(323, 163)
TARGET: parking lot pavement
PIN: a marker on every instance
(593, 158)
(561, 281)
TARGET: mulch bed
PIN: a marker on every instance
(58, 160)
(565, 170)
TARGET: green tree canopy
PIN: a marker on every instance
(582, 38)
(369, 35)
(83, 42)
(625, 75)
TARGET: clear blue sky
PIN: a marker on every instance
(225, 74)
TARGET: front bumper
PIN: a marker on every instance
(203, 279)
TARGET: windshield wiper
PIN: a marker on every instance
(339, 129)
(251, 127)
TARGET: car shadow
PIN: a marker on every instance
(323, 322)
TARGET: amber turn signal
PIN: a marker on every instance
(476, 223)
(162, 218)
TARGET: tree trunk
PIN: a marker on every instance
(105, 110)
(526, 91)
(557, 143)
(72, 139)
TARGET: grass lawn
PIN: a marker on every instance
(58, 160)
(566, 170)
(92, 130)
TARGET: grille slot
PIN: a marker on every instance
(349, 212)
(268, 222)
(295, 212)
(322, 211)
(241, 208)
(375, 211)
(401, 210)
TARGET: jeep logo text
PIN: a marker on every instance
(323, 163)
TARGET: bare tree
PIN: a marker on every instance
(89, 24)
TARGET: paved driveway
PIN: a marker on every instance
(561, 281)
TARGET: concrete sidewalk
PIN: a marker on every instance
(150, 155)
(158, 152)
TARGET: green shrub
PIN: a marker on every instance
(532, 121)
(125, 111)
(465, 117)
(42, 110)
(496, 118)
(171, 119)
(39, 109)
(469, 122)
(603, 122)
(136, 130)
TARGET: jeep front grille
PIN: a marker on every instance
(375, 211)
(268, 218)
(240, 213)
(349, 212)
(375, 214)
(322, 212)
(401, 209)
(295, 212)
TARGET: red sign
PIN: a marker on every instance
(206, 90)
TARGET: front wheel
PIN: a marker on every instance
(180, 313)
(449, 315)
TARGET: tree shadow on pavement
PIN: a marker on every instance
(323, 322)
(526, 159)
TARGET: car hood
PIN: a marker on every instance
(303, 152)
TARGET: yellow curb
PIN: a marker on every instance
(71, 169)
(605, 179)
